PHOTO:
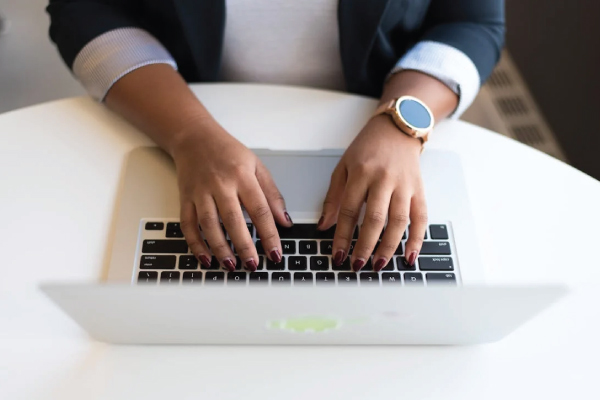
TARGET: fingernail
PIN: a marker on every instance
(251, 265)
(205, 261)
(382, 262)
(320, 222)
(412, 258)
(229, 264)
(358, 264)
(339, 258)
(287, 217)
(275, 256)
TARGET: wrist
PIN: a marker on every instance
(196, 129)
(384, 123)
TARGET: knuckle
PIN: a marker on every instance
(208, 219)
(269, 236)
(239, 171)
(260, 213)
(376, 217)
(244, 248)
(231, 217)
(387, 248)
(399, 218)
(422, 217)
(349, 214)
(221, 248)
(187, 225)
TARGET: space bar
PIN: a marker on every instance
(165, 246)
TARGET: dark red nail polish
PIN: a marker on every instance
(412, 258)
(321, 220)
(251, 265)
(275, 256)
(229, 264)
(358, 264)
(339, 258)
(205, 261)
(382, 262)
(288, 218)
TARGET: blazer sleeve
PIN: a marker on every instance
(460, 45)
(100, 42)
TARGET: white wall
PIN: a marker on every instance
(31, 71)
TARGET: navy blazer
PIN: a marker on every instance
(374, 34)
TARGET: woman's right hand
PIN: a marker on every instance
(217, 175)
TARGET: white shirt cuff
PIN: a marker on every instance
(447, 64)
(112, 55)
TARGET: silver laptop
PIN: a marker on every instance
(157, 292)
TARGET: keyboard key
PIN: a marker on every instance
(157, 262)
(261, 263)
(352, 247)
(250, 228)
(165, 246)
(404, 236)
(259, 278)
(347, 278)
(169, 277)
(191, 278)
(174, 230)
(214, 264)
(391, 278)
(238, 263)
(303, 278)
(297, 263)
(438, 231)
(436, 264)
(308, 231)
(308, 247)
(155, 226)
(214, 277)
(325, 278)
(326, 246)
(399, 251)
(147, 277)
(288, 246)
(319, 263)
(368, 266)
(412, 278)
(369, 278)
(402, 265)
(236, 278)
(187, 262)
(344, 267)
(435, 248)
(441, 279)
(281, 278)
(389, 266)
(259, 248)
(271, 266)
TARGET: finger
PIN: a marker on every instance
(233, 218)
(378, 203)
(208, 218)
(331, 205)
(258, 209)
(417, 229)
(273, 195)
(189, 227)
(352, 202)
(397, 221)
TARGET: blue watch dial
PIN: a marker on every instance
(414, 113)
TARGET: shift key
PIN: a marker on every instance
(435, 248)
(165, 246)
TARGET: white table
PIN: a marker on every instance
(537, 219)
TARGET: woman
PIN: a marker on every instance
(136, 56)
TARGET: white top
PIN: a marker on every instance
(271, 41)
(537, 220)
(282, 41)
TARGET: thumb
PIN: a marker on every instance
(274, 197)
(331, 205)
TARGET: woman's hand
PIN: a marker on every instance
(381, 166)
(216, 173)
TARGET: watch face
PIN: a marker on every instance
(414, 113)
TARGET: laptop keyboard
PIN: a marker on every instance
(164, 259)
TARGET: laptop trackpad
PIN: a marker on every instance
(303, 180)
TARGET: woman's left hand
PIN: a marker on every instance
(381, 167)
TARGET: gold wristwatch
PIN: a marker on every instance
(410, 115)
